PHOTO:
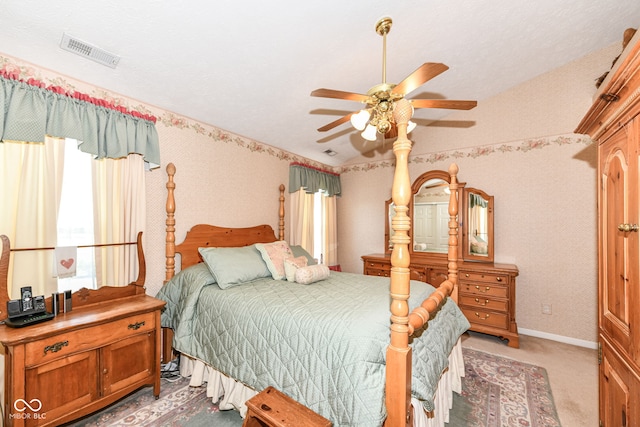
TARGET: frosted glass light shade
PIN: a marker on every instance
(370, 133)
(360, 119)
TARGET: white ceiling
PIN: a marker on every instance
(249, 66)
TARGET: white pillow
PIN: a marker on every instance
(291, 265)
(311, 274)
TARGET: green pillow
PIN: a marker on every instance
(300, 251)
(234, 266)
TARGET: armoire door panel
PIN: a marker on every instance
(619, 387)
(615, 302)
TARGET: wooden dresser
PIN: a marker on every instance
(614, 123)
(81, 361)
(487, 291)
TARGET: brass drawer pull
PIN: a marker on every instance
(628, 227)
(499, 279)
(486, 316)
(486, 289)
(55, 347)
(482, 303)
(136, 326)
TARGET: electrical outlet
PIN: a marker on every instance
(546, 308)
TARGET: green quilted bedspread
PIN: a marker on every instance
(323, 344)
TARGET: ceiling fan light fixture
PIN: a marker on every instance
(370, 133)
(360, 119)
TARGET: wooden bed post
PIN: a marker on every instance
(398, 374)
(171, 224)
(281, 214)
(170, 252)
(453, 231)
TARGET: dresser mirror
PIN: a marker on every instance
(478, 229)
(428, 210)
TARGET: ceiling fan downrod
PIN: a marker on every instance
(383, 26)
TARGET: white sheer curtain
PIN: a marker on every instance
(302, 221)
(119, 214)
(330, 229)
(314, 227)
(30, 190)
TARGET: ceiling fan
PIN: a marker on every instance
(377, 116)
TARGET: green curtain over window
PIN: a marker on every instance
(477, 200)
(313, 180)
(30, 111)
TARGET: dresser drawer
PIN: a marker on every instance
(483, 289)
(484, 277)
(377, 272)
(377, 265)
(483, 302)
(51, 348)
(486, 318)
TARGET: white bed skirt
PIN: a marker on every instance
(234, 394)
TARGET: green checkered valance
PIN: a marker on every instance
(30, 111)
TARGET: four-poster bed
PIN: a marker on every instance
(323, 344)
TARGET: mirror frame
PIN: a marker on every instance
(467, 254)
(415, 188)
(464, 252)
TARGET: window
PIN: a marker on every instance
(75, 216)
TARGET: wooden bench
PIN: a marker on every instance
(271, 408)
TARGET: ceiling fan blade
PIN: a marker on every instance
(335, 123)
(443, 103)
(338, 94)
(423, 74)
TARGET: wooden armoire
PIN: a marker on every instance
(613, 122)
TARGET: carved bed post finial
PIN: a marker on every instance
(170, 248)
(281, 214)
(398, 374)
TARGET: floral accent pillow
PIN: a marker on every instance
(312, 273)
(291, 265)
(274, 255)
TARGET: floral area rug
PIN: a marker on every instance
(501, 392)
(179, 405)
(496, 392)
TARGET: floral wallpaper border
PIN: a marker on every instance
(169, 119)
(475, 152)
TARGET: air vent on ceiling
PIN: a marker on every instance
(72, 44)
(330, 152)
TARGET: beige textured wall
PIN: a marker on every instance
(522, 150)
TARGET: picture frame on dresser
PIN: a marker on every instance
(487, 291)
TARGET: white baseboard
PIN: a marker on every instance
(559, 338)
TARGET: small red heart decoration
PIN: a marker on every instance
(67, 263)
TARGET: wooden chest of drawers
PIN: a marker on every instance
(487, 298)
(81, 361)
(487, 291)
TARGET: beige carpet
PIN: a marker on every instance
(572, 371)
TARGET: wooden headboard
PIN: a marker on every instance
(204, 235)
